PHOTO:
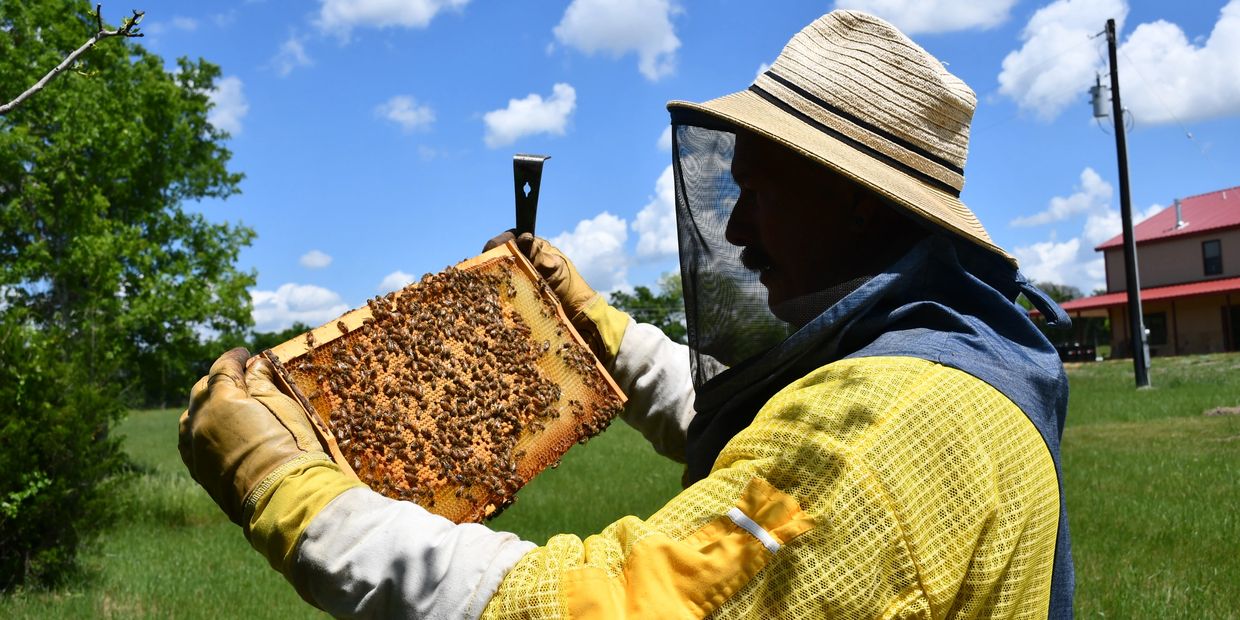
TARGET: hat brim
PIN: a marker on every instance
(749, 111)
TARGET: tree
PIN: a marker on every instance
(105, 279)
(665, 310)
(1087, 330)
(58, 458)
(261, 341)
(127, 29)
(1060, 292)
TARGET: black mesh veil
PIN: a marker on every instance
(726, 310)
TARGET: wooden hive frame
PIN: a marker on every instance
(586, 398)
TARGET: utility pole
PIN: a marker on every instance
(1136, 322)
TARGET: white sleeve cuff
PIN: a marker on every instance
(654, 373)
(366, 555)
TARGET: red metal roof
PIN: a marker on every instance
(1175, 291)
(1201, 213)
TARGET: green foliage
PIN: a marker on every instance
(665, 310)
(1085, 330)
(57, 454)
(140, 566)
(93, 173)
(1060, 292)
(106, 281)
(261, 341)
(732, 321)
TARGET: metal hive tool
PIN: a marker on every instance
(455, 391)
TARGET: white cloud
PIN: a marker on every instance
(618, 27)
(1074, 262)
(1069, 263)
(161, 27)
(406, 112)
(531, 115)
(395, 280)
(1101, 226)
(228, 105)
(1107, 223)
(292, 55)
(1058, 60)
(225, 19)
(428, 153)
(656, 222)
(1092, 195)
(915, 16)
(278, 309)
(1166, 77)
(314, 259)
(340, 17)
(596, 247)
(665, 139)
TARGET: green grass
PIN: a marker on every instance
(1181, 387)
(1151, 486)
(615, 474)
(1152, 489)
(173, 554)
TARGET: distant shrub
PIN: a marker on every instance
(58, 460)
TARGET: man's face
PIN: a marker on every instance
(798, 223)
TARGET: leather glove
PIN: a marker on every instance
(601, 325)
(241, 434)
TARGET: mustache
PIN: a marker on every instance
(754, 258)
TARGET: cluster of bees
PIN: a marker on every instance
(428, 399)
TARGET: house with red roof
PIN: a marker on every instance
(1188, 256)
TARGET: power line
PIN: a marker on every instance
(1166, 108)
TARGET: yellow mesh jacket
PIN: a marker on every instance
(881, 487)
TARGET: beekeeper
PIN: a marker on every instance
(870, 424)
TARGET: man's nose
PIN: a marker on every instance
(740, 223)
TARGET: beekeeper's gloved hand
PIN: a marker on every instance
(601, 325)
(255, 452)
(240, 434)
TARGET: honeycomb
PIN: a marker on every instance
(455, 391)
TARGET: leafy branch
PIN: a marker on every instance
(128, 28)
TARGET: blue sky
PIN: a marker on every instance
(376, 136)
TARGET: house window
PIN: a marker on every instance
(1212, 257)
(1156, 325)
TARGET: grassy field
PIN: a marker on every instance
(1153, 489)
(174, 554)
(1151, 485)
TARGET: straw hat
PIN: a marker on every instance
(853, 93)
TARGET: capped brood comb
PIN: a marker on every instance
(454, 391)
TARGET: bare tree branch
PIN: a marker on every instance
(129, 28)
